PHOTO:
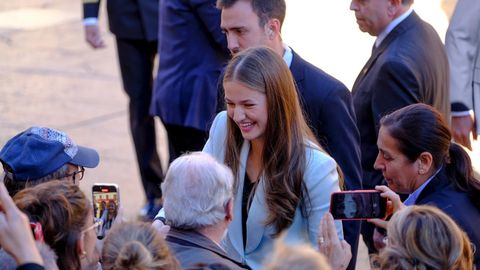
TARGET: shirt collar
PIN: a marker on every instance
(390, 27)
(412, 198)
(287, 55)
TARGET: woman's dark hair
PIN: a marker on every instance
(62, 209)
(420, 128)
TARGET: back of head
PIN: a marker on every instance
(423, 237)
(298, 257)
(40, 154)
(62, 209)
(137, 246)
(196, 191)
(264, 9)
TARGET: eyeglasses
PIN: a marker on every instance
(96, 224)
(77, 175)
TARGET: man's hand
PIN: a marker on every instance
(93, 37)
(461, 128)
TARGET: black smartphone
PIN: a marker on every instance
(357, 205)
(106, 200)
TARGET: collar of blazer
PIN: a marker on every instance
(297, 67)
(406, 24)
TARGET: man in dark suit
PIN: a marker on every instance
(326, 101)
(134, 24)
(192, 50)
(408, 65)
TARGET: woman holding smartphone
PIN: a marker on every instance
(283, 179)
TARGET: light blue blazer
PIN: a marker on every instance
(321, 180)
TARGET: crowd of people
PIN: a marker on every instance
(286, 137)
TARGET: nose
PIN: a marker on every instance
(238, 114)
(378, 165)
(233, 45)
(354, 5)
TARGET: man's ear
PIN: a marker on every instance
(273, 28)
(229, 210)
(394, 6)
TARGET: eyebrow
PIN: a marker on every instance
(241, 101)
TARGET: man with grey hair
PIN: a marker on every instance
(198, 205)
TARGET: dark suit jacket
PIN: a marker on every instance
(442, 193)
(192, 248)
(192, 50)
(409, 66)
(128, 19)
(327, 104)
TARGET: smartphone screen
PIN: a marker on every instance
(360, 204)
(106, 200)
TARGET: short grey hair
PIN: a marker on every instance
(14, 186)
(196, 191)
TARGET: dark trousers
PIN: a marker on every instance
(184, 139)
(136, 59)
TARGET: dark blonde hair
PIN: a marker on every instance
(298, 257)
(62, 209)
(424, 237)
(286, 134)
(137, 246)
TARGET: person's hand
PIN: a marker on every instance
(394, 204)
(461, 128)
(93, 37)
(162, 228)
(15, 234)
(337, 251)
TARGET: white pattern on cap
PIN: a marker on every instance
(70, 148)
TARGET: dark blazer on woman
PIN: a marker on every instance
(443, 193)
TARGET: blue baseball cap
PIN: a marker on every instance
(40, 151)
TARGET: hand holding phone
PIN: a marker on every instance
(106, 201)
(358, 205)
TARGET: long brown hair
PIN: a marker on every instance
(286, 134)
(62, 209)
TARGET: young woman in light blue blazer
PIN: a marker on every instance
(283, 179)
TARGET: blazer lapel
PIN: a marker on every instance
(257, 215)
(297, 68)
(235, 229)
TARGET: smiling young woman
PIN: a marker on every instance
(283, 179)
